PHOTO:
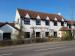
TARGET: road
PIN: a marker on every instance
(65, 48)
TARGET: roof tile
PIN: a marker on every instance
(33, 14)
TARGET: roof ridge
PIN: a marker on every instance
(37, 11)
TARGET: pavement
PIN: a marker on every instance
(62, 48)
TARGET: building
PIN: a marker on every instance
(71, 24)
(8, 31)
(42, 24)
(36, 24)
(65, 32)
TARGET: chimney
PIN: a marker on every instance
(59, 13)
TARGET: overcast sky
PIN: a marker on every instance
(8, 8)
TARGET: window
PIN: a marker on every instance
(55, 34)
(38, 21)
(27, 35)
(55, 23)
(69, 26)
(62, 23)
(27, 21)
(74, 25)
(37, 34)
(46, 34)
(47, 22)
(6, 36)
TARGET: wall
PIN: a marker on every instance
(1, 35)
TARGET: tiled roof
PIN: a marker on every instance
(2, 24)
(65, 29)
(71, 22)
(11, 24)
(34, 14)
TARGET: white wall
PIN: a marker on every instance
(73, 27)
(38, 28)
(28, 28)
(17, 17)
(1, 35)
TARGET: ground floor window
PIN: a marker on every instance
(55, 34)
(46, 34)
(37, 34)
(6, 36)
(27, 35)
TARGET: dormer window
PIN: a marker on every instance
(62, 23)
(55, 19)
(27, 21)
(38, 22)
(55, 23)
(47, 22)
(27, 15)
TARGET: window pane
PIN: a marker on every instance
(27, 21)
(46, 34)
(62, 23)
(47, 22)
(38, 21)
(37, 34)
(6, 36)
(55, 23)
(27, 35)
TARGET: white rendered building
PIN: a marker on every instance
(43, 24)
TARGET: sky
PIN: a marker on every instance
(8, 8)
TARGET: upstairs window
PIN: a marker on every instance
(55, 23)
(27, 21)
(62, 23)
(47, 22)
(69, 25)
(38, 22)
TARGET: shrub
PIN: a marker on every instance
(18, 42)
(65, 38)
(5, 42)
(37, 40)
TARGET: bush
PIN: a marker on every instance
(66, 38)
(37, 40)
(53, 38)
(15, 42)
(5, 42)
(67, 35)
